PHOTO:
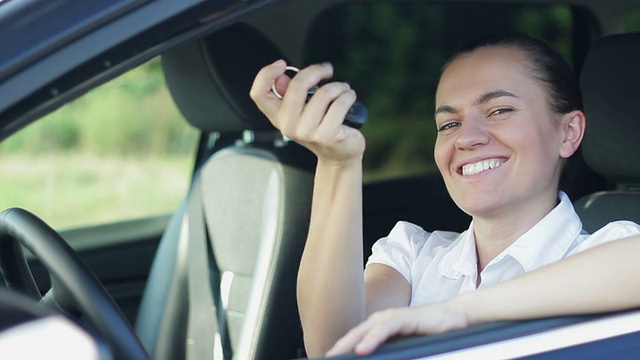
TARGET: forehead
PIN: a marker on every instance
(486, 70)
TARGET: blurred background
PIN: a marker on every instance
(123, 151)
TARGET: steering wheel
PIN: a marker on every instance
(74, 288)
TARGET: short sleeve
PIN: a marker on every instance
(615, 230)
(400, 248)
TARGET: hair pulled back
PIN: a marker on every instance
(547, 66)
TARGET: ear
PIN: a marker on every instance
(573, 125)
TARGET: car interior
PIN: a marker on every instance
(22, 321)
(608, 81)
(254, 202)
(217, 276)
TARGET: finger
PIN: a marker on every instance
(368, 336)
(281, 83)
(301, 83)
(403, 322)
(316, 111)
(331, 125)
(261, 92)
(376, 336)
(349, 341)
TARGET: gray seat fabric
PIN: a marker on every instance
(158, 324)
(256, 206)
(257, 210)
(256, 199)
(611, 87)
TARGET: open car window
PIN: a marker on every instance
(121, 151)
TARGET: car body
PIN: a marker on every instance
(55, 52)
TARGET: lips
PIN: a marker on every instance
(480, 166)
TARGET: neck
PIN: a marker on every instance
(497, 232)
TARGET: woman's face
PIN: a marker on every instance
(498, 144)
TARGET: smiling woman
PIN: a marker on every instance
(518, 127)
(128, 157)
(508, 114)
(120, 152)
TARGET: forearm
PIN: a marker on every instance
(602, 279)
(330, 279)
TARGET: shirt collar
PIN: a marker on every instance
(546, 242)
(461, 259)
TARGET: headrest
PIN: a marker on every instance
(210, 79)
(611, 88)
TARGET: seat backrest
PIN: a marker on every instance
(610, 82)
(257, 203)
(256, 197)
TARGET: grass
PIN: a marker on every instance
(72, 190)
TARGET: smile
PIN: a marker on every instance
(480, 166)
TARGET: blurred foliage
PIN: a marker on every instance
(121, 151)
(392, 54)
(633, 22)
(132, 114)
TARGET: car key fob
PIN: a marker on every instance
(356, 116)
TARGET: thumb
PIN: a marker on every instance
(281, 83)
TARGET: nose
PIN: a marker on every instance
(471, 134)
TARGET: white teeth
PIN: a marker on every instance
(480, 166)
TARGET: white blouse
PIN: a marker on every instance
(440, 265)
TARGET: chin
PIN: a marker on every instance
(477, 206)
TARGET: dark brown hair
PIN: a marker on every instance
(547, 66)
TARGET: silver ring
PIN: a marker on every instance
(273, 87)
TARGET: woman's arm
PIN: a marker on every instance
(605, 278)
(333, 294)
(331, 284)
(330, 278)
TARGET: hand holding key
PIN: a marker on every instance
(312, 114)
(356, 116)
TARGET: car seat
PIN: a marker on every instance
(251, 198)
(610, 82)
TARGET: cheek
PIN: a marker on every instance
(547, 138)
(537, 144)
(440, 155)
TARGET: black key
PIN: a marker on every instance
(356, 116)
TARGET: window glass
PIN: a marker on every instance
(121, 151)
(392, 53)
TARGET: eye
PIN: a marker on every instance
(500, 111)
(448, 126)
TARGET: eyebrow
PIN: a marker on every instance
(482, 99)
(485, 98)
